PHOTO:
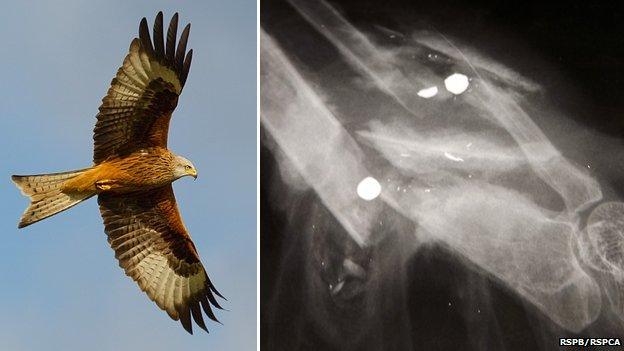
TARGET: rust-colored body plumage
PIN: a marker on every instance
(132, 175)
(144, 169)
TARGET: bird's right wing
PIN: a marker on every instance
(154, 248)
(136, 111)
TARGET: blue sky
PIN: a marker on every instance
(61, 288)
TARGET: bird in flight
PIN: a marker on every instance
(132, 174)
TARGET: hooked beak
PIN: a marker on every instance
(193, 173)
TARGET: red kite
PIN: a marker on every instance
(132, 175)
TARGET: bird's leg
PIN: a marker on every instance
(105, 184)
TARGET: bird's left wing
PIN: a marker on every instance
(136, 111)
(154, 248)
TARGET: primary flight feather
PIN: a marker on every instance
(132, 175)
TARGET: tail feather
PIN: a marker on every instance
(46, 195)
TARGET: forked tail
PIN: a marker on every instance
(46, 195)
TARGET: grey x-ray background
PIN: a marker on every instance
(60, 286)
(511, 174)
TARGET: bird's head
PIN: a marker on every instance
(183, 168)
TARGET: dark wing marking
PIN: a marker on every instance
(136, 111)
(154, 248)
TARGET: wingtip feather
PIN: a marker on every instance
(181, 51)
(144, 35)
(159, 46)
(171, 38)
(207, 309)
(187, 66)
(185, 319)
(163, 44)
(197, 315)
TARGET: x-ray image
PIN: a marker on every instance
(441, 176)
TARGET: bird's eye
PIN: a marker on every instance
(187, 167)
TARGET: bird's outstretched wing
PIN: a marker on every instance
(135, 112)
(154, 248)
